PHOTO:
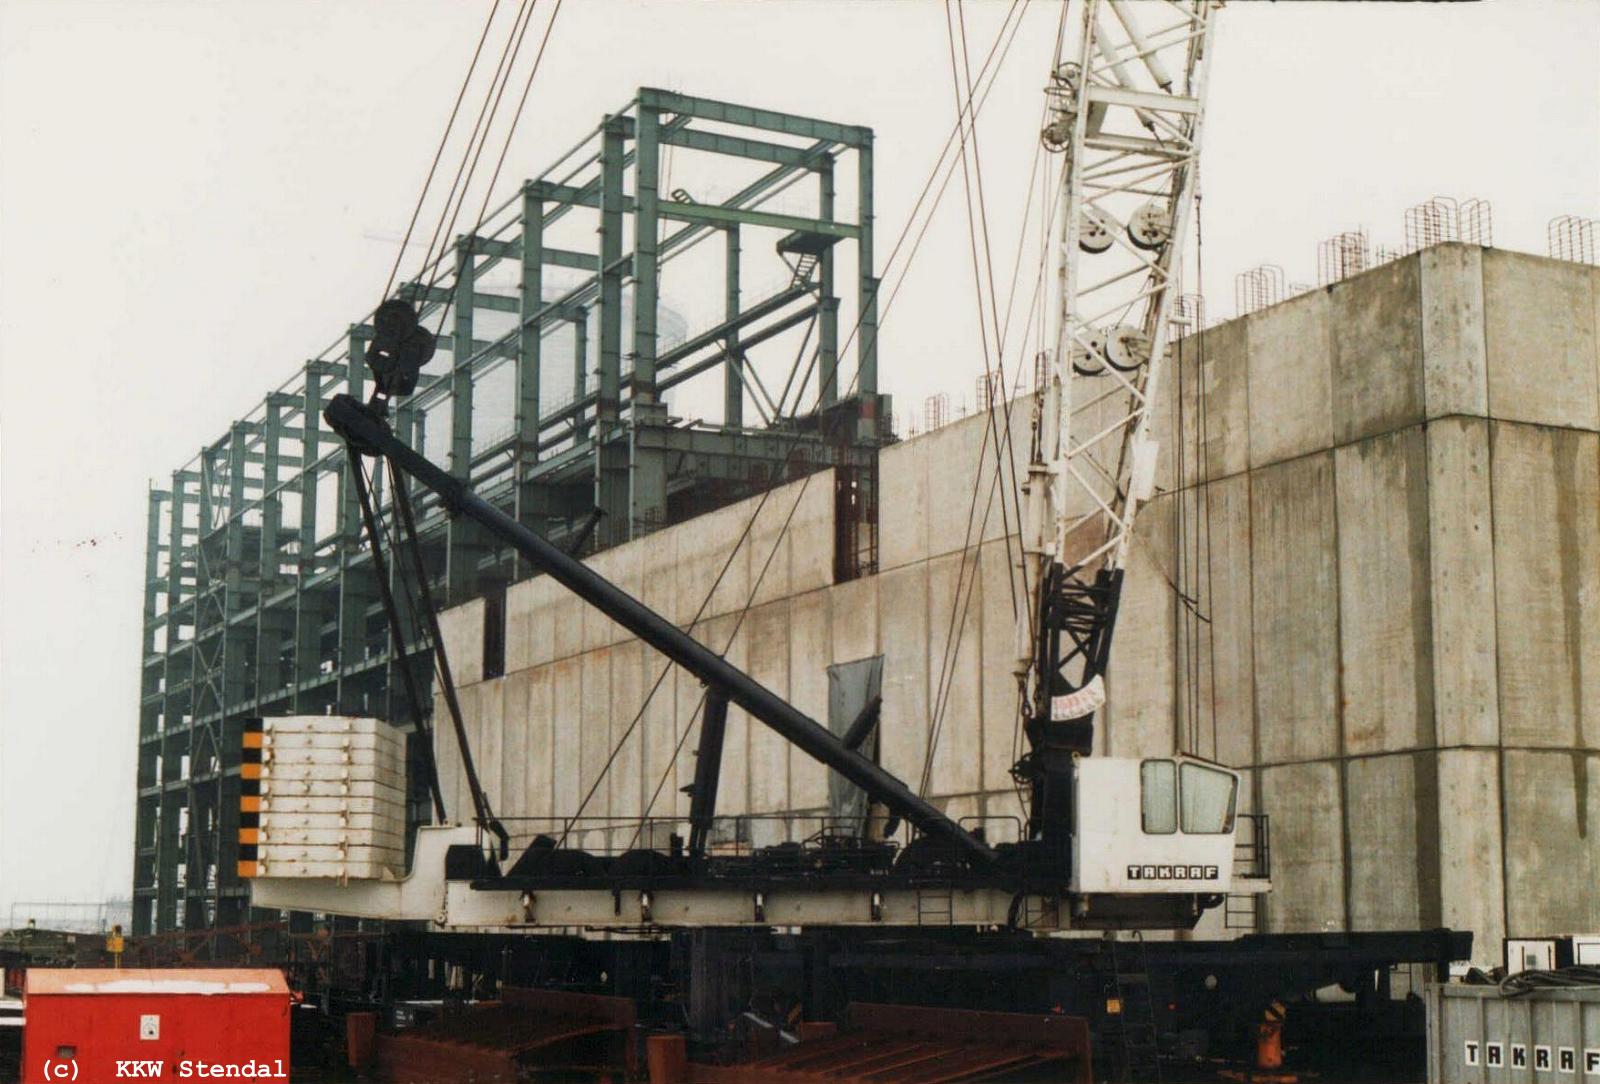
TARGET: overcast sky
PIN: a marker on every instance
(197, 196)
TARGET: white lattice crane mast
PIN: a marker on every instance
(1126, 113)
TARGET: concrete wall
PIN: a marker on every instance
(1386, 508)
(574, 683)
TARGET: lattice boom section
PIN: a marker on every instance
(323, 796)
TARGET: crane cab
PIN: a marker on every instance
(1154, 826)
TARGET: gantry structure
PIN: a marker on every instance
(549, 395)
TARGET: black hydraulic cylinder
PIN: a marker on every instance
(366, 432)
(707, 772)
(862, 724)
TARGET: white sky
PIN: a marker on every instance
(194, 196)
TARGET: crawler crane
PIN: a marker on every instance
(1109, 842)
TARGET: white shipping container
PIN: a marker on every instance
(1480, 1035)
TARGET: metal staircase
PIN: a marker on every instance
(803, 250)
(803, 268)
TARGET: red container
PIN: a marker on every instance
(95, 1025)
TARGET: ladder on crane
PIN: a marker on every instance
(1134, 1029)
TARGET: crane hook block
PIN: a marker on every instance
(400, 347)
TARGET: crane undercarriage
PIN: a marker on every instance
(453, 887)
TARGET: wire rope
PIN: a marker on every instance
(474, 148)
(444, 139)
(952, 642)
(516, 116)
(1000, 403)
(1017, 5)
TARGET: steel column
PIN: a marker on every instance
(611, 274)
(356, 585)
(867, 284)
(273, 623)
(155, 498)
(354, 374)
(732, 377)
(152, 703)
(647, 474)
(580, 372)
(461, 553)
(828, 314)
(611, 455)
(531, 509)
(529, 387)
(310, 610)
(646, 273)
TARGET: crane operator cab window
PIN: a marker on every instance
(1197, 799)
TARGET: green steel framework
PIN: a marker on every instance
(260, 597)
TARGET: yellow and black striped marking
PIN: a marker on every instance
(250, 797)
